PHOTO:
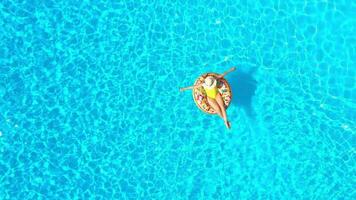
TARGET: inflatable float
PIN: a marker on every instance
(200, 97)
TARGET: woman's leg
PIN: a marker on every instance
(215, 106)
(221, 104)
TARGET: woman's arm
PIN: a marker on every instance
(228, 71)
(186, 88)
(190, 87)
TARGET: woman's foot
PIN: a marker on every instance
(228, 124)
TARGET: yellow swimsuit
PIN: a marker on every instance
(211, 92)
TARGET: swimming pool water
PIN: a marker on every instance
(90, 106)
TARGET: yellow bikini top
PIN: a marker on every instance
(212, 92)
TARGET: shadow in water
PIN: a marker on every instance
(243, 86)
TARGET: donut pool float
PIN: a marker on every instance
(200, 98)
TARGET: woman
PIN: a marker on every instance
(214, 98)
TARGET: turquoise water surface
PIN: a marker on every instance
(90, 106)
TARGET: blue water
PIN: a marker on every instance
(90, 106)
